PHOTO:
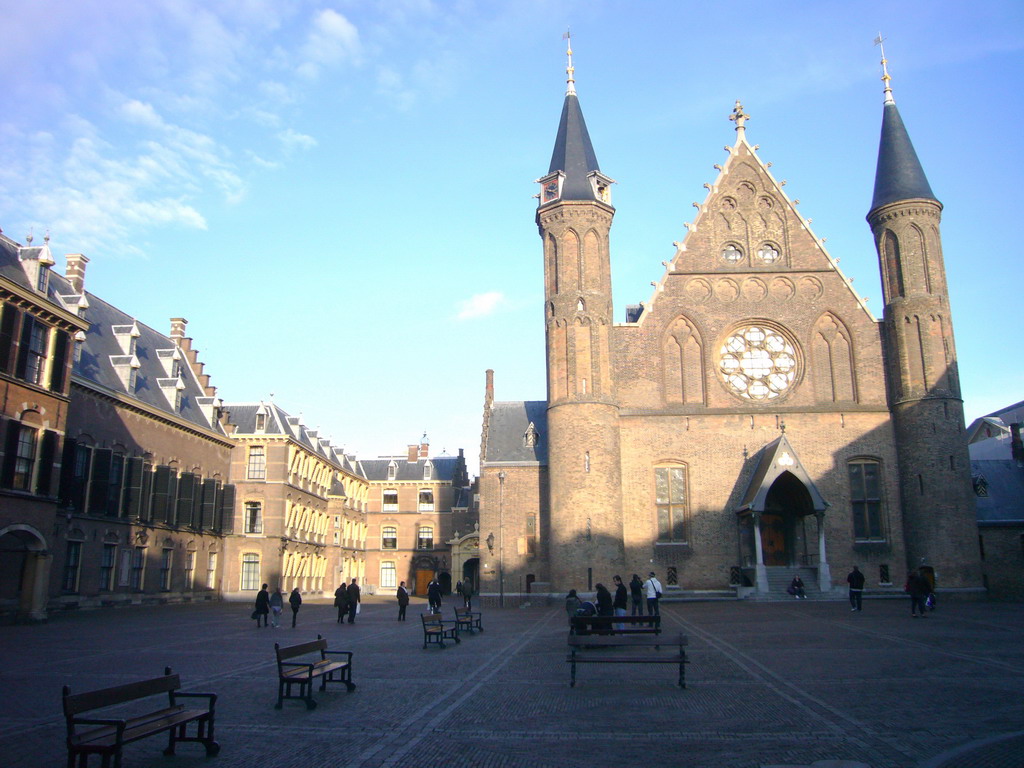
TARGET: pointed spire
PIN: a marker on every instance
(898, 175)
(570, 82)
(573, 154)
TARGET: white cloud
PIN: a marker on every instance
(137, 112)
(294, 140)
(481, 305)
(333, 40)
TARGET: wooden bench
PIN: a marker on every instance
(469, 620)
(615, 625)
(629, 649)
(436, 629)
(325, 666)
(106, 736)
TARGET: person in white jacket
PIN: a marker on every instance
(652, 591)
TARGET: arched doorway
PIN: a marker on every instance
(24, 573)
(471, 573)
(783, 535)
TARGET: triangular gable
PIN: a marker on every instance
(777, 458)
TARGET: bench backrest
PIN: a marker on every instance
(76, 703)
(430, 619)
(601, 622)
(291, 651)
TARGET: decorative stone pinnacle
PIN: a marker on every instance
(739, 117)
(570, 82)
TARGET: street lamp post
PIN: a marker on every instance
(501, 538)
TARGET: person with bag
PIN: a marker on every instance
(295, 599)
(652, 590)
(341, 601)
(353, 601)
(403, 601)
(262, 606)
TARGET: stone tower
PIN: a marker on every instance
(923, 384)
(584, 533)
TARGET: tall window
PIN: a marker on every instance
(390, 501)
(425, 537)
(107, 567)
(253, 517)
(24, 458)
(426, 500)
(35, 336)
(211, 570)
(250, 572)
(392, 471)
(72, 561)
(388, 577)
(166, 557)
(138, 567)
(389, 537)
(670, 498)
(190, 569)
(257, 469)
(866, 500)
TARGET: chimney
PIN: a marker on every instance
(1016, 446)
(424, 447)
(178, 329)
(75, 271)
(414, 451)
(489, 388)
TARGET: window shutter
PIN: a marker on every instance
(100, 483)
(47, 454)
(60, 359)
(8, 322)
(145, 509)
(209, 504)
(186, 487)
(133, 487)
(226, 510)
(161, 485)
(10, 453)
(67, 472)
(23, 347)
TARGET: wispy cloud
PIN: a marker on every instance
(333, 40)
(293, 140)
(481, 305)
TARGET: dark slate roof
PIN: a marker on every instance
(899, 175)
(776, 458)
(1011, 413)
(411, 471)
(280, 423)
(10, 265)
(506, 432)
(573, 153)
(1005, 500)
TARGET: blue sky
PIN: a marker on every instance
(338, 195)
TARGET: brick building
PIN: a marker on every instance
(417, 503)
(37, 335)
(300, 514)
(753, 419)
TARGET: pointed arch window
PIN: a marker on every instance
(671, 504)
(866, 499)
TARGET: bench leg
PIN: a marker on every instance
(170, 741)
(572, 682)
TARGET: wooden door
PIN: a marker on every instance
(773, 540)
(422, 580)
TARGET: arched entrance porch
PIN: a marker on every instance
(24, 573)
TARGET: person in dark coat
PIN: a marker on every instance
(403, 601)
(434, 596)
(636, 595)
(918, 587)
(604, 601)
(467, 594)
(856, 581)
(621, 602)
(796, 588)
(353, 601)
(341, 601)
(572, 604)
(295, 600)
(262, 606)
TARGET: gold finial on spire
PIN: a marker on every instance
(739, 117)
(885, 71)
(570, 86)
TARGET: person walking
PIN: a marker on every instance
(341, 601)
(652, 591)
(918, 587)
(856, 581)
(295, 600)
(276, 606)
(572, 604)
(353, 601)
(434, 596)
(467, 595)
(403, 601)
(604, 601)
(262, 607)
(636, 595)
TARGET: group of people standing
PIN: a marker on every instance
(271, 605)
(346, 600)
(636, 595)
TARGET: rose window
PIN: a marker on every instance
(768, 254)
(731, 253)
(758, 363)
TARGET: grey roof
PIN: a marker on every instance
(411, 471)
(506, 432)
(280, 423)
(573, 153)
(1005, 483)
(899, 175)
(1011, 413)
(10, 265)
(777, 458)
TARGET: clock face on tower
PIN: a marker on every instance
(550, 191)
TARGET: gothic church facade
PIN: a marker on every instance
(754, 418)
